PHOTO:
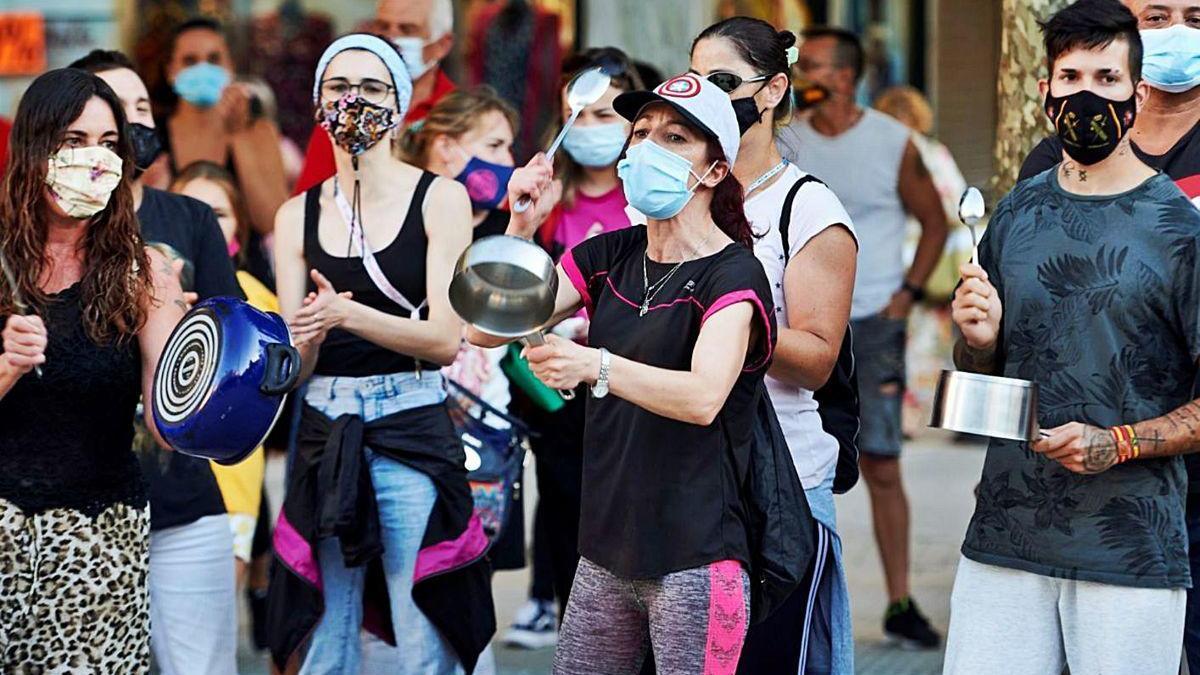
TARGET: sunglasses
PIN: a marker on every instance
(728, 82)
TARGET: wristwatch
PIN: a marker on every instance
(600, 389)
(917, 293)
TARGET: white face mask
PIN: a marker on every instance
(81, 180)
(412, 49)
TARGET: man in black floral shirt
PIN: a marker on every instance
(1089, 285)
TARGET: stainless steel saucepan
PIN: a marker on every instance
(506, 286)
(986, 405)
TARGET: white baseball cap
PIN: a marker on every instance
(700, 101)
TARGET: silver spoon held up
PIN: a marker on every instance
(585, 89)
(970, 210)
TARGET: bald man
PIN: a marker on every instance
(423, 32)
(1166, 135)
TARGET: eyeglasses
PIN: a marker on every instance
(728, 82)
(372, 90)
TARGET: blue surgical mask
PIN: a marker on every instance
(487, 183)
(412, 50)
(201, 84)
(1171, 58)
(596, 146)
(656, 180)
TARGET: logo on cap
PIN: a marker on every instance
(680, 86)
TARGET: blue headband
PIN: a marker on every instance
(379, 47)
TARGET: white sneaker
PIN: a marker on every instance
(535, 626)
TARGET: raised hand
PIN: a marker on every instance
(976, 309)
(535, 181)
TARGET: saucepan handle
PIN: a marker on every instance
(536, 339)
(283, 369)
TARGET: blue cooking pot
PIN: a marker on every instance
(222, 379)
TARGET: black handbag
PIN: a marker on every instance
(837, 399)
(495, 458)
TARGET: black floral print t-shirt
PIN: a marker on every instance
(1101, 303)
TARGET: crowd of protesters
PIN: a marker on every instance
(738, 250)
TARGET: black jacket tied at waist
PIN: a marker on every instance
(330, 495)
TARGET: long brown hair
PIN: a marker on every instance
(456, 114)
(116, 276)
(206, 170)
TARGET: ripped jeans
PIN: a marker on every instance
(879, 345)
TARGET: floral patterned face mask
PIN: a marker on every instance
(82, 179)
(355, 123)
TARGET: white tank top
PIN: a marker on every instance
(862, 167)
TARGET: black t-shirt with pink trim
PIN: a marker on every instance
(661, 495)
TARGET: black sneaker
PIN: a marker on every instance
(904, 625)
(534, 627)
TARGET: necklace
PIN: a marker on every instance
(758, 182)
(648, 290)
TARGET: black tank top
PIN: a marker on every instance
(402, 262)
(65, 438)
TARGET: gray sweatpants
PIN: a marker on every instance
(1009, 622)
(696, 620)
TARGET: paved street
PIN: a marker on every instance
(940, 477)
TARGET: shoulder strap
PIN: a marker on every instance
(312, 218)
(416, 209)
(785, 218)
(370, 264)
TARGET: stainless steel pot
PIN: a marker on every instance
(506, 286)
(986, 405)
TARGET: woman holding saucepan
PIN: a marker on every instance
(812, 278)
(86, 313)
(682, 331)
(378, 510)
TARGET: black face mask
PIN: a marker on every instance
(807, 95)
(747, 113)
(147, 146)
(1089, 125)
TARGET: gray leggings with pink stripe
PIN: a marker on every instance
(695, 620)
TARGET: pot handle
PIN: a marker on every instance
(283, 369)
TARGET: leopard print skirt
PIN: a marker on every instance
(73, 595)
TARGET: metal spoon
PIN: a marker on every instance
(970, 210)
(585, 89)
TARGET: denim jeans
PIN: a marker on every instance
(405, 498)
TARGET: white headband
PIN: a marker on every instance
(379, 47)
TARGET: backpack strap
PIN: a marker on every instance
(785, 218)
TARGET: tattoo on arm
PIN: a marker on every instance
(1176, 433)
(972, 360)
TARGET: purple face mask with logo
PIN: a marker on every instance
(487, 183)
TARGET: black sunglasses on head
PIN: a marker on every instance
(728, 82)
(609, 64)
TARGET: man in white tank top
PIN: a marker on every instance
(870, 163)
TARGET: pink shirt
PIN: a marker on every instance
(575, 223)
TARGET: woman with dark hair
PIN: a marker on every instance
(806, 244)
(215, 119)
(85, 320)
(592, 203)
(378, 510)
(681, 334)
